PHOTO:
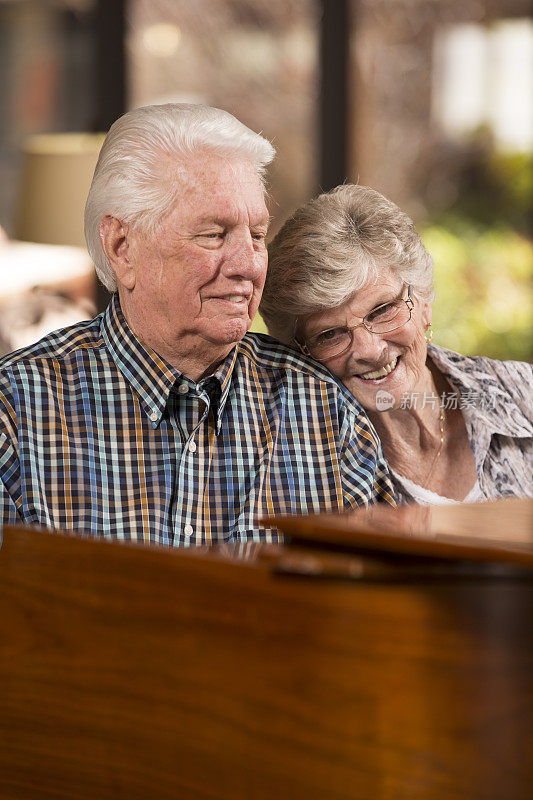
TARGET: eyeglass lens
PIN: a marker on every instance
(384, 319)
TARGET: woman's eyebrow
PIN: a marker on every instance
(384, 302)
(314, 329)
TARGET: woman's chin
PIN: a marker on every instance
(376, 395)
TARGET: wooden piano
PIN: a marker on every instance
(379, 655)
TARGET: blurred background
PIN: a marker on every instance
(429, 102)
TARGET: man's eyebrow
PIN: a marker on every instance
(209, 219)
(221, 219)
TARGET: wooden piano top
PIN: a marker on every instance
(133, 672)
(501, 531)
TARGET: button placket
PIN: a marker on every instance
(188, 467)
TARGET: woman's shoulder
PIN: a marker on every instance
(479, 367)
(512, 380)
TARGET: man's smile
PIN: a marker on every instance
(234, 298)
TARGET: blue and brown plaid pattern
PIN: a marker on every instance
(99, 435)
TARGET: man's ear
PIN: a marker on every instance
(115, 238)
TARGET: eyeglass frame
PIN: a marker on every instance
(409, 302)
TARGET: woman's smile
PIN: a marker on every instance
(379, 374)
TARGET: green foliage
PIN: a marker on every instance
(511, 175)
(483, 284)
(496, 188)
(483, 255)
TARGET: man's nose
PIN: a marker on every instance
(241, 257)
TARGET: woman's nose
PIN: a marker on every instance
(366, 345)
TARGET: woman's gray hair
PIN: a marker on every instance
(136, 178)
(334, 245)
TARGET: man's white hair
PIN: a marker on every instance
(136, 177)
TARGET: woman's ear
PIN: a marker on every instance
(427, 315)
(115, 238)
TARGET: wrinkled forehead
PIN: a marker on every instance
(212, 181)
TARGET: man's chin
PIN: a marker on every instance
(231, 331)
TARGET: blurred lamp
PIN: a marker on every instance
(56, 174)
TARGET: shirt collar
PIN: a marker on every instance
(501, 416)
(150, 376)
(221, 379)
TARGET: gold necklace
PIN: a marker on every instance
(439, 451)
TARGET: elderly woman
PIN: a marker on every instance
(350, 284)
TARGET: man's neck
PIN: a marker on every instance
(194, 356)
(195, 362)
(195, 369)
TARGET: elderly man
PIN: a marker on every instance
(161, 420)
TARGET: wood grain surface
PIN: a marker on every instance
(149, 674)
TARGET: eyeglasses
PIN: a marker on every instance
(382, 319)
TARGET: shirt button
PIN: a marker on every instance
(192, 447)
(154, 416)
(183, 388)
(188, 530)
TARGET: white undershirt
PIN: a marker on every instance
(425, 497)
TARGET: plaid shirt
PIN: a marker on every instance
(98, 434)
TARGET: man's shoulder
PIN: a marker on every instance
(56, 346)
(272, 355)
(274, 363)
